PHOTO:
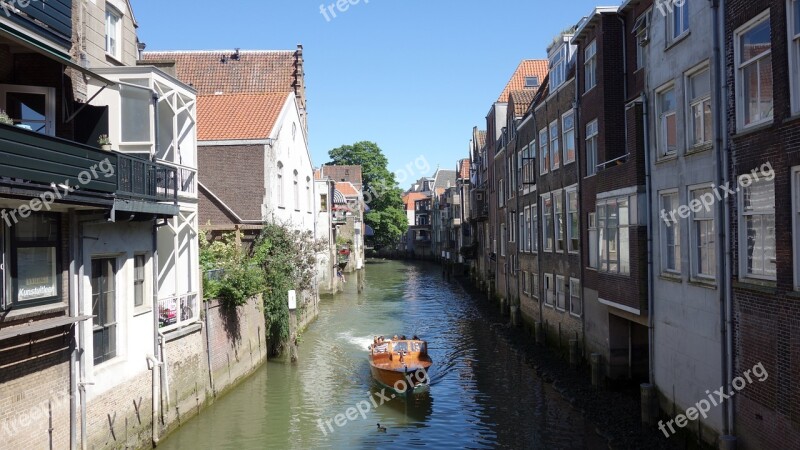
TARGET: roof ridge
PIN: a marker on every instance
(216, 51)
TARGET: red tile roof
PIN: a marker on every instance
(527, 68)
(347, 189)
(253, 71)
(238, 116)
(522, 101)
(481, 139)
(463, 169)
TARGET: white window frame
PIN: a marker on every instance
(662, 117)
(678, 15)
(555, 148)
(525, 287)
(113, 18)
(740, 65)
(528, 227)
(535, 285)
(796, 224)
(49, 100)
(549, 290)
(544, 152)
(793, 18)
(561, 294)
(743, 273)
(575, 293)
(503, 229)
(558, 222)
(572, 216)
(557, 62)
(590, 66)
(535, 228)
(602, 231)
(594, 256)
(568, 136)
(702, 101)
(548, 230)
(694, 222)
(592, 132)
(674, 227)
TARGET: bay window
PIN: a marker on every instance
(136, 101)
(757, 229)
(753, 57)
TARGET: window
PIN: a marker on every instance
(113, 31)
(698, 88)
(139, 262)
(593, 240)
(558, 67)
(703, 258)
(555, 151)
(794, 52)
(670, 234)
(613, 220)
(575, 305)
(522, 234)
(667, 122)
(678, 19)
(568, 128)
(30, 107)
(757, 228)
(104, 309)
(535, 285)
(503, 240)
(136, 104)
(753, 50)
(590, 65)
(558, 202)
(281, 198)
(547, 222)
(501, 193)
(520, 161)
(528, 230)
(525, 286)
(535, 228)
(296, 192)
(561, 297)
(591, 148)
(35, 278)
(573, 233)
(544, 152)
(549, 290)
(531, 82)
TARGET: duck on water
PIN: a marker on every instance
(400, 364)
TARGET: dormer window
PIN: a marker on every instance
(531, 82)
(560, 54)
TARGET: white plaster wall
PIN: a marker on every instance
(135, 326)
(687, 327)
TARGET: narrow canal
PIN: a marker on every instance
(483, 393)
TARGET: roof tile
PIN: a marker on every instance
(238, 116)
(527, 68)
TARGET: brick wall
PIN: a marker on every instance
(766, 327)
(229, 172)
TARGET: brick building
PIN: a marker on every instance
(761, 55)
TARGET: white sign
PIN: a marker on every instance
(292, 300)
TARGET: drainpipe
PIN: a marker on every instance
(73, 312)
(728, 440)
(650, 269)
(576, 108)
(162, 341)
(154, 361)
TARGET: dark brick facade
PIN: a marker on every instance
(240, 193)
(766, 324)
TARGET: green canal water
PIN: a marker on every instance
(482, 395)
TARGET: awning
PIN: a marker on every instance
(55, 55)
(39, 325)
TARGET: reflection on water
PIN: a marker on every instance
(483, 394)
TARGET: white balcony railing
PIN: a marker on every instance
(187, 179)
(177, 311)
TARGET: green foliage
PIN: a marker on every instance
(287, 260)
(239, 279)
(387, 214)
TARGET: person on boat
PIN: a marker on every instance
(403, 337)
(415, 338)
(395, 338)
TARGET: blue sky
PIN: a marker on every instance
(414, 76)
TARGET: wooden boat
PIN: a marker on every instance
(400, 364)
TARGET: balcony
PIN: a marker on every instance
(34, 163)
(479, 207)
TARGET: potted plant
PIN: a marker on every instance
(104, 142)
(5, 119)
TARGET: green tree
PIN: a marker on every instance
(387, 215)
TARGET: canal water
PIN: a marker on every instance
(482, 395)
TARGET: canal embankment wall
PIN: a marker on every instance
(200, 363)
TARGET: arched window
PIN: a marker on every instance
(296, 192)
(281, 203)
